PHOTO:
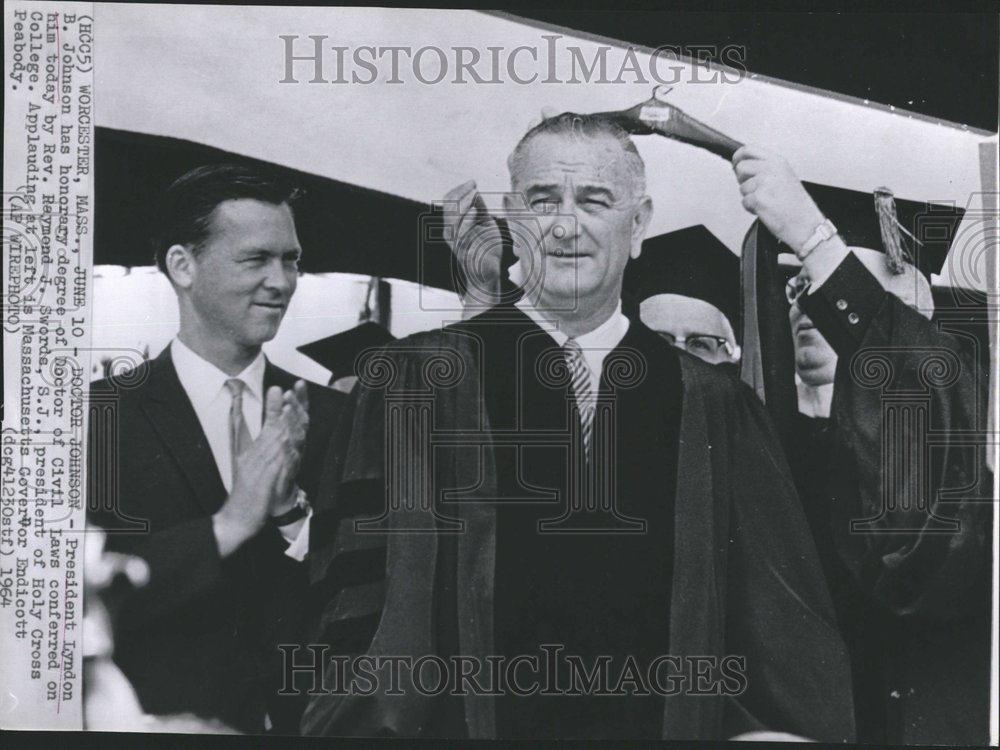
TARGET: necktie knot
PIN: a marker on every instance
(235, 387)
(579, 372)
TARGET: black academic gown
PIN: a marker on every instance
(729, 569)
(912, 591)
(597, 583)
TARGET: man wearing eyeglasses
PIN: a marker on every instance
(815, 359)
(686, 284)
(886, 456)
(686, 324)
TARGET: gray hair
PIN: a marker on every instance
(570, 124)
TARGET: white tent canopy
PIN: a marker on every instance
(135, 315)
(212, 75)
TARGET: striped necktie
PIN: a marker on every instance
(579, 374)
(239, 433)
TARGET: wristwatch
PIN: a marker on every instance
(299, 510)
(825, 231)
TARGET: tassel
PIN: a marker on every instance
(366, 312)
(896, 254)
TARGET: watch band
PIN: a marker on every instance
(825, 231)
(299, 510)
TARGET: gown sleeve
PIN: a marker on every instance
(910, 408)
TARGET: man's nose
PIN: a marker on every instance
(564, 223)
(279, 278)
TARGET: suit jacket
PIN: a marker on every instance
(201, 635)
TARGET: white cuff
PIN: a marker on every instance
(823, 261)
(297, 536)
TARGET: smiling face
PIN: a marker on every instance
(584, 214)
(238, 284)
(815, 359)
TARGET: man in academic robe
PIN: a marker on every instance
(549, 475)
(686, 284)
(889, 467)
(203, 460)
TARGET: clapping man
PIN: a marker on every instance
(212, 452)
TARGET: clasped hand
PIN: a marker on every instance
(264, 476)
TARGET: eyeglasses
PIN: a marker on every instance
(699, 343)
(795, 287)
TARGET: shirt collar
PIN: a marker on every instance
(814, 400)
(605, 337)
(203, 381)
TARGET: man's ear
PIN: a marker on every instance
(640, 223)
(179, 261)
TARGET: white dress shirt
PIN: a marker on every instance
(814, 400)
(596, 344)
(205, 385)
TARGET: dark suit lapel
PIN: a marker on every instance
(173, 417)
(274, 375)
